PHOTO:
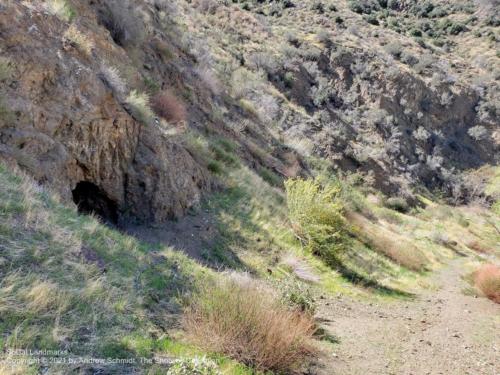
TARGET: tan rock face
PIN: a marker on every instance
(68, 127)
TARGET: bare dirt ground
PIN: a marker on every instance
(442, 331)
(192, 235)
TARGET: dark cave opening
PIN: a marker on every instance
(90, 199)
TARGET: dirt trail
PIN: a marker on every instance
(443, 331)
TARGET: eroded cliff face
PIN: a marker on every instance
(66, 126)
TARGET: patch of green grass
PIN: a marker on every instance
(215, 167)
(179, 349)
(6, 115)
(221, 154)
(270, 177)
(54, 295)
(5, 68)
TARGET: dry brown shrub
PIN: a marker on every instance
(487, 279)
(389, 243)
(478, 246)
(167, 105)
(247, 323)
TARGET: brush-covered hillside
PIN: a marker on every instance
(256, 187)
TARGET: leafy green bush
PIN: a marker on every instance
(194, 366)
(224, 156)
(215, 167)
(416, 32)
(456, 28)
(371, 19)
(365, 6)
(317, 217)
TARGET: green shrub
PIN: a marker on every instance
(364, 6)
(215, 167)
(194, 366)
(296, 295)
(457, 28)
(416, 33)
(224, 156)
(318, 7)
(408, 58)
(371, 19)
(394, 49)
(316, 213)
(397, 204)
(288, 79)
(423, 9)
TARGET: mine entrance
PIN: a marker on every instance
(90, 199)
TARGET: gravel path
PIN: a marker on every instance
(442, 331)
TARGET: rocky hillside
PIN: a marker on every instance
(386, 89)
(166, 166)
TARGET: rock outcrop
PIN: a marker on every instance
(68, 128)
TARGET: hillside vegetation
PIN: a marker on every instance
(248, 187)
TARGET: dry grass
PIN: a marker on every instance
(54, 295)
(487, 279)
(169, 107)
(139, 106)
(477, 246)
(61, 9)
(80, 40)
(112, 77)
(392, 245)
(243, 320)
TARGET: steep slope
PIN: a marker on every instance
(82, 297)
(280, 80)
(70, 127)
(178, 126)
(404, 106)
